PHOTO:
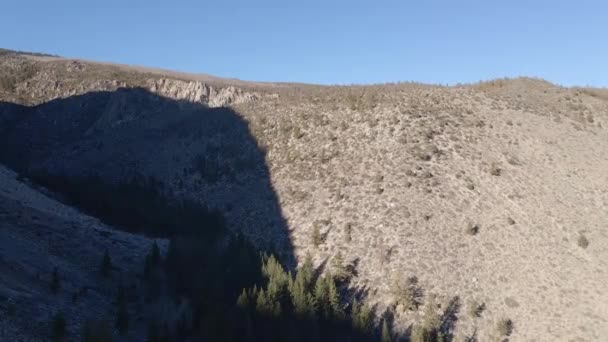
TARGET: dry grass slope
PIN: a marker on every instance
(482, 191)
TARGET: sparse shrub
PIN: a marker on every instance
(505, 327)
(408, 293)
(348, 232)
(475, 309)
(495, 170)
(583, 241)
(510, 221)
(317, 237)
(472, 229)
(429, 329)
(341, 272)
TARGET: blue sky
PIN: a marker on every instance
(327, 42)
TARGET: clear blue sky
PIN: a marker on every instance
(328, 41)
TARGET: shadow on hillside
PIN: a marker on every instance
(175, 169)
(186, 150)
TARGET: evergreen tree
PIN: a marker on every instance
(301, 299)
(362, 319)
(153, 333)
(262, 304)
(386, 334)
(106, 264)
(155, 255)
(59, 327)
(322, 297)
(340, 271)
(277, 291)
(122, 315)
(243, 302)
(172, 258)
(429, 329)
(55, 281)
(333, 300)
(147, 267)
(97, 331)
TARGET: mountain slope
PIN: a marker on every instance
(39, 234)
(391, 176)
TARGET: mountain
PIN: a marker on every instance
(493, 193)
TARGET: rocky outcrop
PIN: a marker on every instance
(199, 92)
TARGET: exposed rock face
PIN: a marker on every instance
(23, 80)
(200, 92)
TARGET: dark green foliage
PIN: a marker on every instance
(386, 333)
(289, 307)
(327, 299)
(155, 255)
(235, 292)
(122, 314)
(97, 331)
(362, 318)
(341, 272)
(408, 293)
(106, 265)
(55, 281)
(152, 263)
(58, 326)
(137, 205)
(429, 329)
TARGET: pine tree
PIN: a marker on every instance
(362, 318)
(261, 304)
(428, 330)
(277, 291)
(341, 273)
(55, 281)
(122, 315)
(147, 267)
(333, 300)
(243, 301)
(301, 298)
(155, 255)
(322, 297)
(172, 258)
(386, 334)
(59, 327)
(153, 333)
(97, 331)
(306, 273)
(106, 265)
